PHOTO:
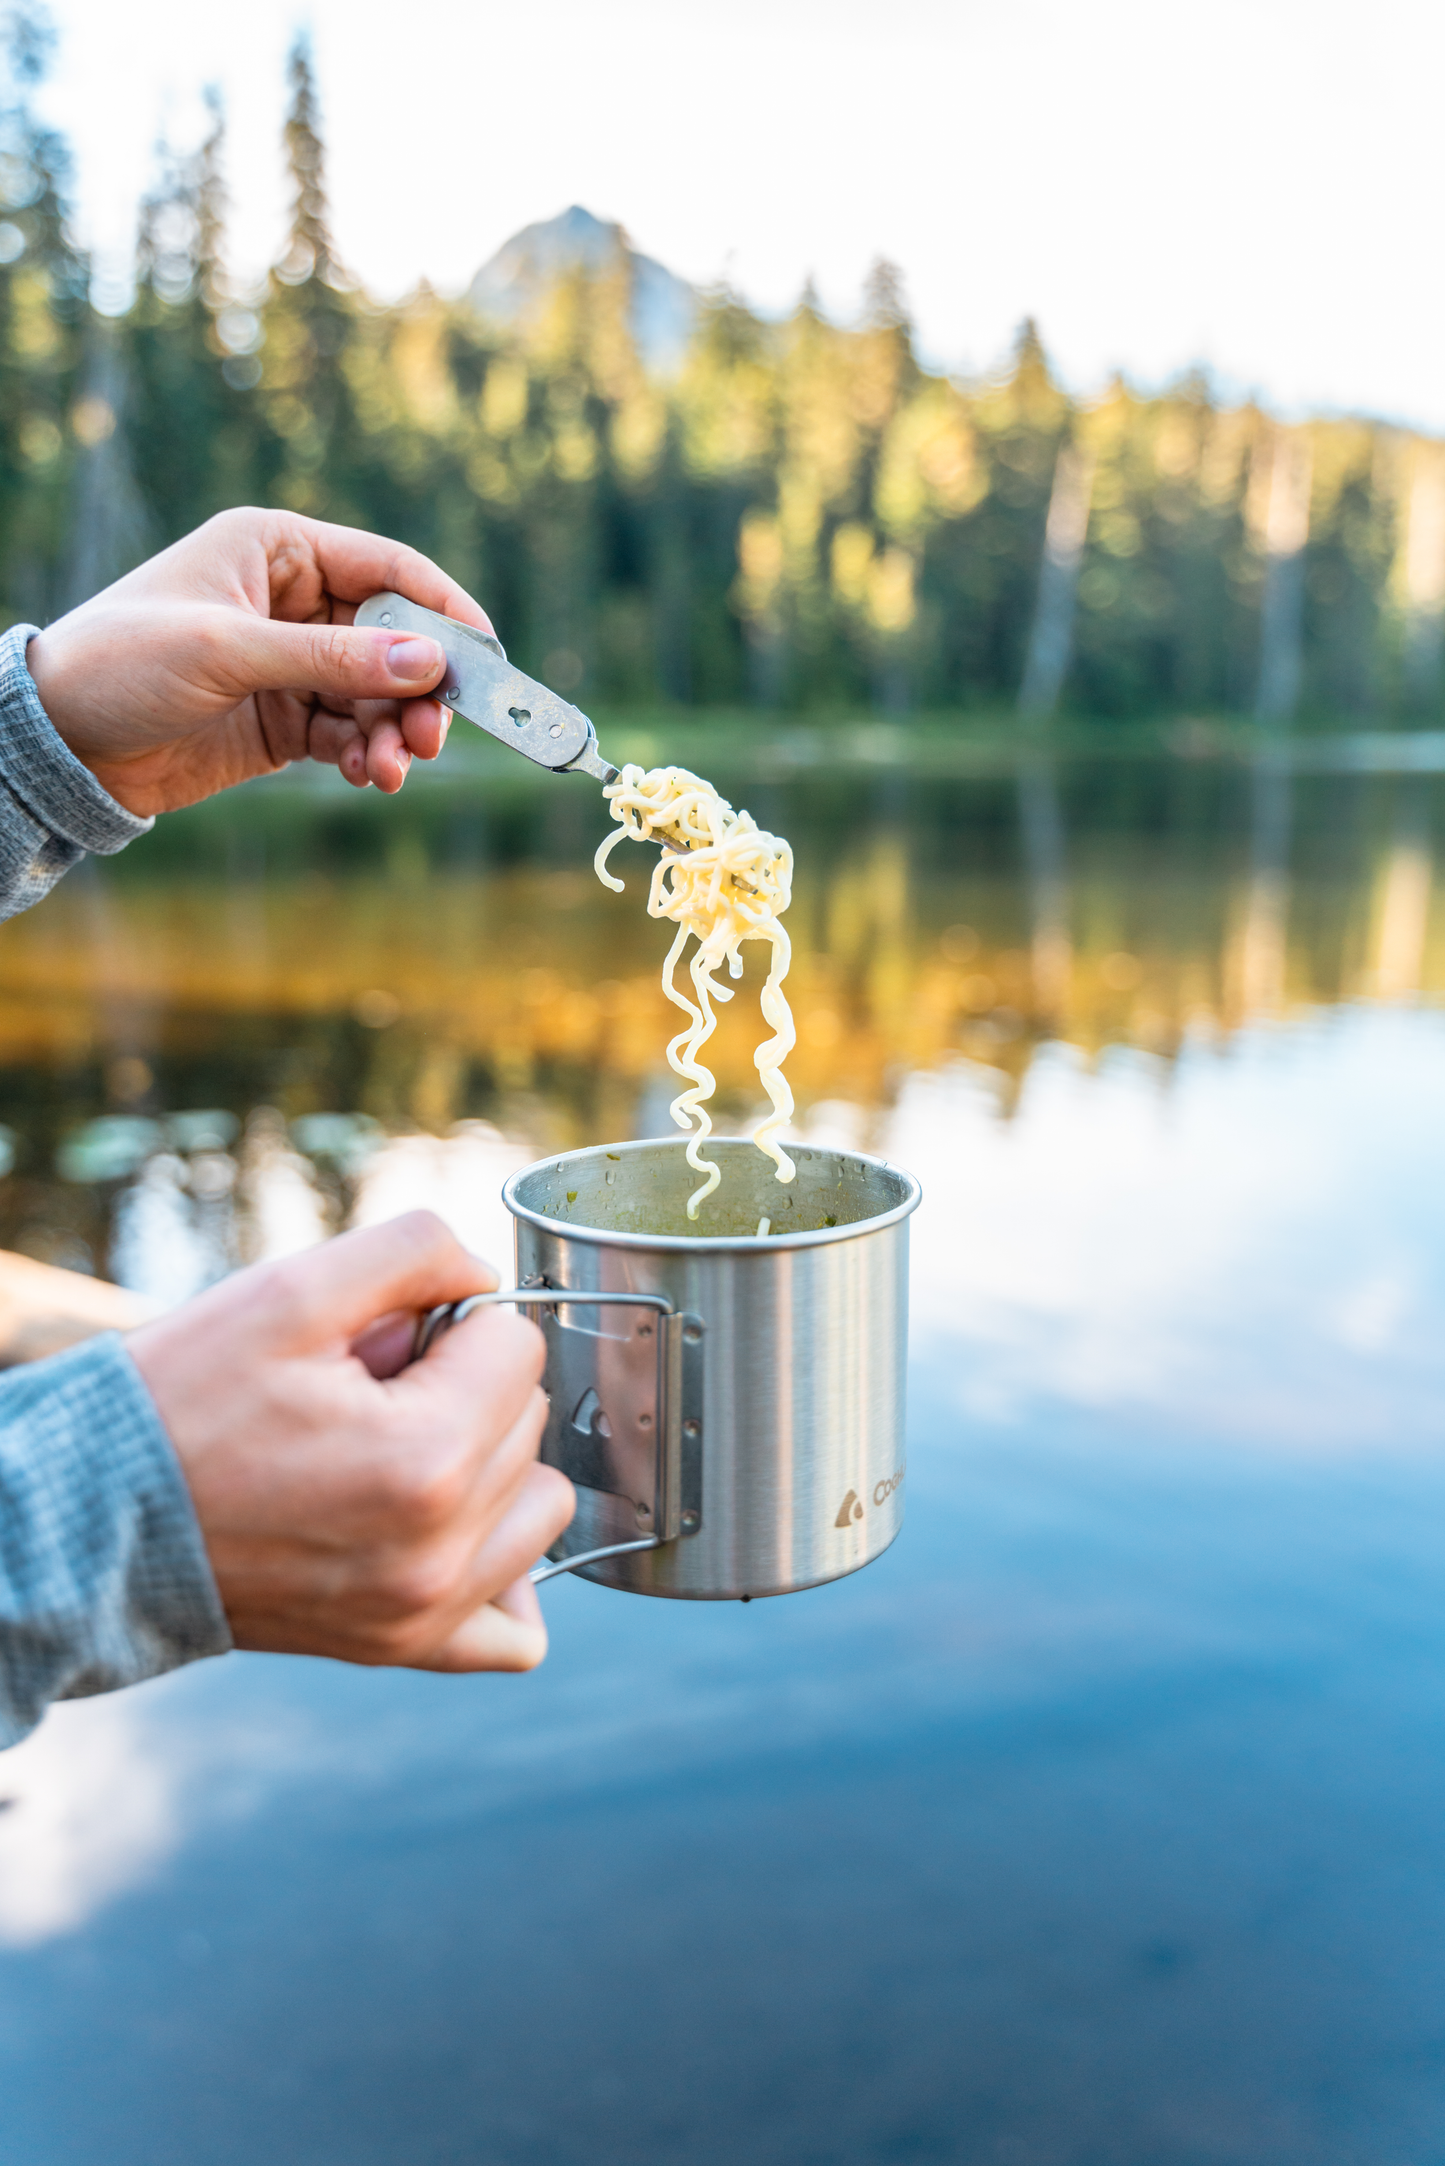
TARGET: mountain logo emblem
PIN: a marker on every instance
(849, 1510)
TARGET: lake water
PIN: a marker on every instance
(1099, 1822)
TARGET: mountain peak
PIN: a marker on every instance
(510, 285)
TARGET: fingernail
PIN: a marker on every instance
(418, 660)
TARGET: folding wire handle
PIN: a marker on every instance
(431, 1327)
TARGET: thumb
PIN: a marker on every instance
(340, 662)
(507, 1633)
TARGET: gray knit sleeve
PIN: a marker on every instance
(52, 810)
(104, 1578)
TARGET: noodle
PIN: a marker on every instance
(721, 880)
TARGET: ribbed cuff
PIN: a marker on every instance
(104, 1577)
(42, 772)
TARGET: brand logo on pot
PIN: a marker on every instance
(850, 1511)
(885, 1489)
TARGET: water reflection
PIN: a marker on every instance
(1246, 1251)
(375, 974)
(1096, 1821)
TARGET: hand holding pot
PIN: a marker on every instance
(352, 1506)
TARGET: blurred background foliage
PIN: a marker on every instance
(797, 515)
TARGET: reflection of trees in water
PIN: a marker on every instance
(1404, 889)
(1042, 828)
(1046, 667)
(1259, 975)
(931, 921)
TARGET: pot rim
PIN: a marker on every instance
(684, 1244)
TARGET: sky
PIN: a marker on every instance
(1254, 186)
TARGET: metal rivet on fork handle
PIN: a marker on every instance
(483, 687)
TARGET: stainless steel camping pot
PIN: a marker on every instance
(732, 1416)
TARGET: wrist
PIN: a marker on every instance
(44, 658)
(70, 709)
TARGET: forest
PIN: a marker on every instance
(800, 515)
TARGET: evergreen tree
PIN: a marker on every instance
(43, 286)
(191, 411)
(318, 459)
(803, 514)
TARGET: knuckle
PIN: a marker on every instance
(274, 1307)
(286, 1278)
(288, 1290)
(556, 1498)
(526, 1348)
(501, 1355)
(421, 1495)
(334, 653)
(414, 1237)
(424, 1229)
(514, 1350)
(389, 1641)
(535, 1355)
(534, 1415)
(416, 1584)
(223, 526)
(213, 638)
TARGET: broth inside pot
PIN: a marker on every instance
(643, 1189)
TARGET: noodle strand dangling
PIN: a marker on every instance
(721, 880)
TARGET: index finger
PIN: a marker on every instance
(356, 564)
(333, 1292)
